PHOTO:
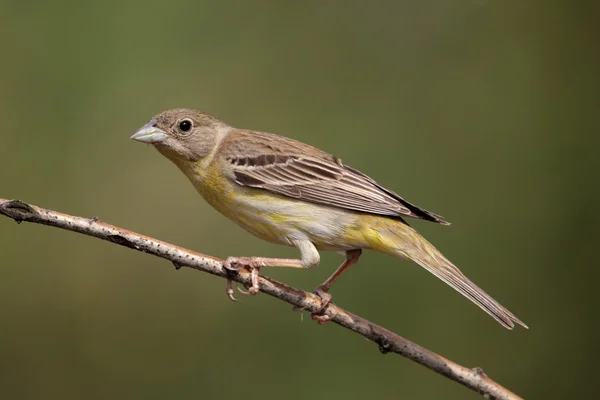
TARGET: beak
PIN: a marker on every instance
(149, 133)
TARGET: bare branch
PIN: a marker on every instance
(387, 341)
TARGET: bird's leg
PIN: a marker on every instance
(309, 257)
(254, 264)
(233, 263)
(322, 290)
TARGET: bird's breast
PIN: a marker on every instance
(276, 218)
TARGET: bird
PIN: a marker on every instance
(290, 193)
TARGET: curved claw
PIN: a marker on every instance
(229, 290)
(243, 292)
(250, 292)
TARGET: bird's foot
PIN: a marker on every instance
(319, 315)
(233, 264)
(254, 288)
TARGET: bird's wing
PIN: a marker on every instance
(293, 169)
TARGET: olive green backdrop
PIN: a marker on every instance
(483, 111)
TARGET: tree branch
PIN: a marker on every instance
(387, 341)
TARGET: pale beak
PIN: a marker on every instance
(149, 133)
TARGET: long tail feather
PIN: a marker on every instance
(420, 251)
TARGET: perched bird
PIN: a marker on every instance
(290, 193)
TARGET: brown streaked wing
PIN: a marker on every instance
(290, 168)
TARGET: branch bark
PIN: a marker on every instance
(388, 341)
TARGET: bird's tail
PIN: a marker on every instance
(408, 243)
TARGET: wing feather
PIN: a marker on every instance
(289, 168)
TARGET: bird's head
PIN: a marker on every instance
(182, 135)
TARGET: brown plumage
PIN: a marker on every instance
(290, 168)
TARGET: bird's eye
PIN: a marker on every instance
(185, 125)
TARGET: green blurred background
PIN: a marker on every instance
(483, 111)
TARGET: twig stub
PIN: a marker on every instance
(17, 210)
